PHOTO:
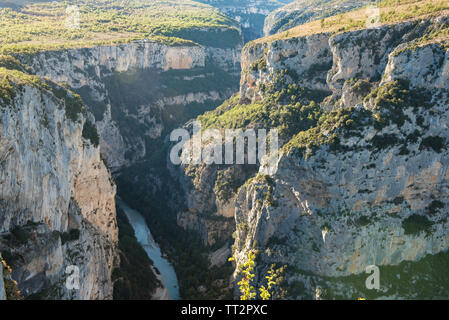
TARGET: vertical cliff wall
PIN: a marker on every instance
(147, 86)
(368, 184)
(57, 206)
(362, 176)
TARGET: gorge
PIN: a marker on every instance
(361, 177)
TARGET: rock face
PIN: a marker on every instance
(303, 11)
(57, 207)
(324, 62)
(249, 13)
(207, 211)
(138, 92)
(305, 60)
(2, 283)
(368, 185)
(158, 84)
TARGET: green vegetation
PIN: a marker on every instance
(226, 184)
(386, 106)
(300, 12)
(12, 80)
(11, 63)
(11, 287)
(384, 141)
(361, 87)
(134, 279)
(74, 105)
(435, 206)
(290, 109)
(409, 9)
(363, 221)
(72, 235)
(328, 130)
(21, 235)
(438, 34)
(289, 119)
(415, 224)
(391, 100)
(65, 237)
(259, 65)
(247, 290)
(436, 143)
(90, 132)
(42, 26)
(426, 278)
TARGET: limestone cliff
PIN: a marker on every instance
(57, 206)
(362, 176)
(146, 85)
(138, 92)
(368, 185)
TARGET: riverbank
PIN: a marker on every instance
(166, 274)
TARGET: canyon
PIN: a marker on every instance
(250, 14)
(361, 177)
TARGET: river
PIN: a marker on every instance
(144, 237)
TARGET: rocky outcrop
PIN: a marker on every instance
(57, 207)
(426, 66)
(367, 185)
(146, 71)
(303, 11)
(304, 60)
(324, 62)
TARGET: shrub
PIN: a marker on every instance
(436, 143)
(415, 224)
(362, 88)
(72, 235)
(391, 99)
(259, 65)
(363, 221)
(90, 132)
(384, 141)
(21, 234)
(434, 206)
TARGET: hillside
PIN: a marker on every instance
(391, 11)
(135, 72)
(43, 25)
(303, 11)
